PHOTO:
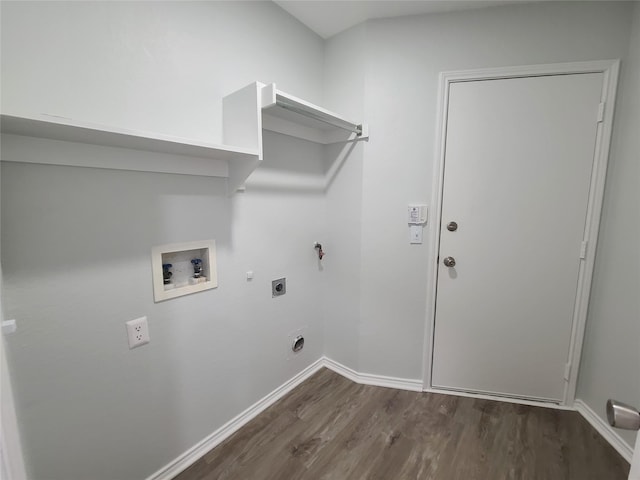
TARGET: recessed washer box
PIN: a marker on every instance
(183, 259)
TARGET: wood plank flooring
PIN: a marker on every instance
(332, 428)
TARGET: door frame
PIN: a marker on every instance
(634, 473)
(12, 462)
(610, 70)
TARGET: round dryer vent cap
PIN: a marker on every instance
(298, 343)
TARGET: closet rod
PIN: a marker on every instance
(302, 109)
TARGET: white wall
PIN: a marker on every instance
(404, 58)
(344, 92)
(611, 355)
(76, 242)
(154, 66)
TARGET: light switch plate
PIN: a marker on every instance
(9, 327)
(415, 234)
(417, 214)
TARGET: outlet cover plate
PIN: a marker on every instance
(138, 332)
(302, 355)
(278, 287)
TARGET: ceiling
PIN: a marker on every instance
(328, 17)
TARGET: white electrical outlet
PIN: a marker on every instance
(138, 332)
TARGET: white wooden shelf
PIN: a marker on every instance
(284, 113)
(56, 140)
(28, 139)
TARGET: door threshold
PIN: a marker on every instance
(554, 404)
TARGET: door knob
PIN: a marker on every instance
(621, 415)
(449, 262)
(452, 226)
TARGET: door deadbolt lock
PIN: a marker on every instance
(449, 262)
(452, 226)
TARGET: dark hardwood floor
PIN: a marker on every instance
(332, 428)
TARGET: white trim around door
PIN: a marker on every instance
(610, 69)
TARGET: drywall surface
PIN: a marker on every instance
(76, 243)
(344, 91)
(404, 57)
(611, 354)
(162, 67)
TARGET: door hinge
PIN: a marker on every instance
(583, 249)
(567, 371)
(601, 112)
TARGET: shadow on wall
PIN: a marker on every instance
(298, 166)
(76, 256)
(59, 218)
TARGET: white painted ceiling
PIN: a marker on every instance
(328, 17)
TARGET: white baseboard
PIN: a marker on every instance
(604, 429)
(376, 380)
(189, 457)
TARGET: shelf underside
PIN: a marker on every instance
(284, 113)
(56, 141)
(69, 131)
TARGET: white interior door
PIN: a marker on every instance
(517, 170)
